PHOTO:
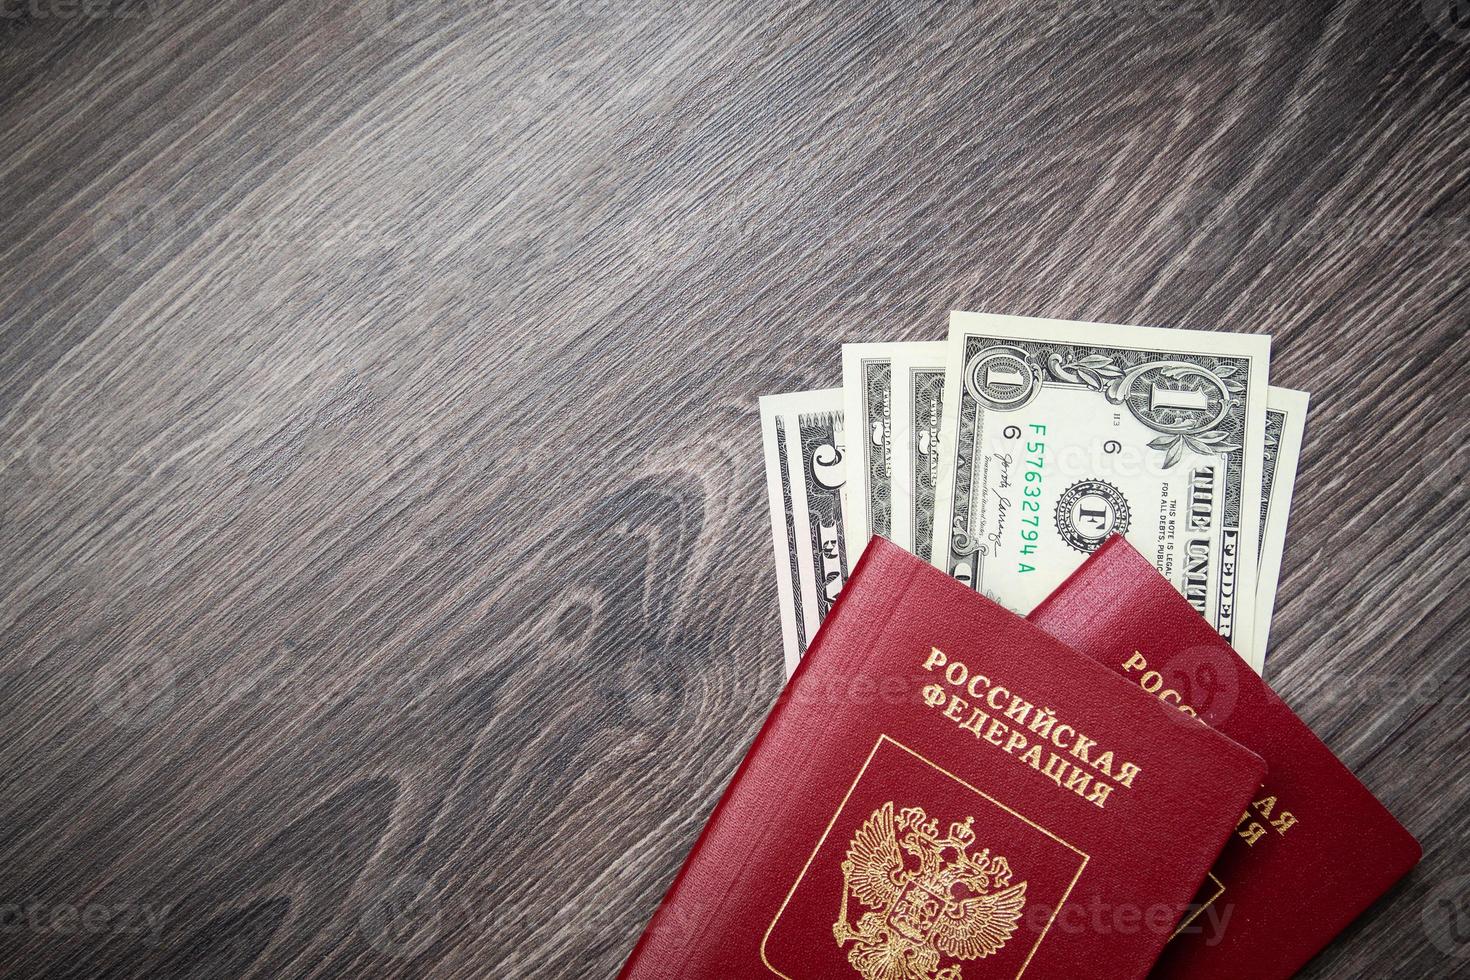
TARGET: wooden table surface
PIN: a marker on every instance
(387, 583)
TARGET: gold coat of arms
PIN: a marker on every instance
(923, 897)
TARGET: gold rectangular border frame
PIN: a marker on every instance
(841, 806)
(1189, 919)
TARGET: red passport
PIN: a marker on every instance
(1313, 849)
(945, 792)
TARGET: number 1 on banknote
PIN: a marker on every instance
(1056, 435)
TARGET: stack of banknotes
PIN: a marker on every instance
(1009, 452)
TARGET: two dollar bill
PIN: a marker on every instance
(1009, 452)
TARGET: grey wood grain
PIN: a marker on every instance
(384, 561)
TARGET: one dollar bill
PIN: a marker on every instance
(804, 440)
(877, 458)
(1286, 422)
(1057, 434)
(867, 403)
(918, 405)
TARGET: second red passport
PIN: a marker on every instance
(1282, 888)
(945, 792)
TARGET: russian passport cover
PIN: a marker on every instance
(1313, 848)
(945, 792)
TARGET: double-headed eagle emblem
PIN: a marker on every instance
(923, 897)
